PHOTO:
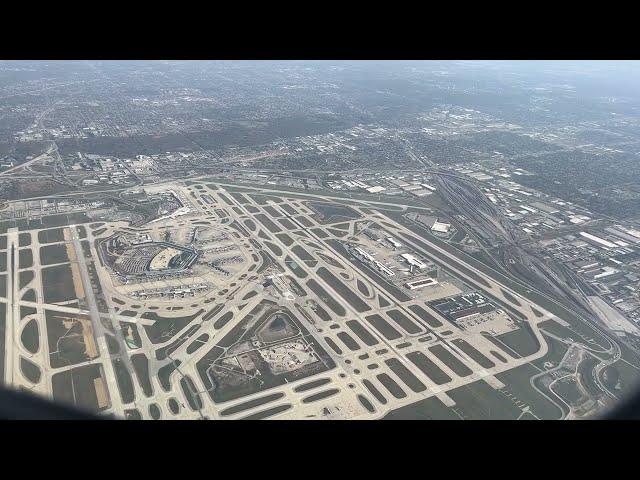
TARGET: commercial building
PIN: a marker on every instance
(363, 254)
(413, 261)
(425, 282)
(388, 272)
(394, 242)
